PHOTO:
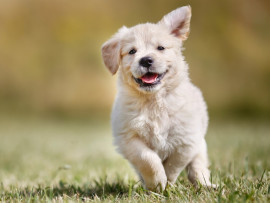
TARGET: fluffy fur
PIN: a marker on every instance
(160, 128)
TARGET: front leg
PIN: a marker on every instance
(146, 162)
(176, 162)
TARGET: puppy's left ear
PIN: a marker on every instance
(111, 51)
(178, 22)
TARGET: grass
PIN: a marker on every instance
(48, 160)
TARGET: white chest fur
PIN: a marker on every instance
(162, 123)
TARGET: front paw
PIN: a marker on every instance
(205, 183)
(210, 185)
(156, 183)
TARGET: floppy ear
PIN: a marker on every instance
(111, 51)
(178, 22)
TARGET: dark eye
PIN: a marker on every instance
(160, 48)
(132, 51)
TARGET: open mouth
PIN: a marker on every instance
(149, 79)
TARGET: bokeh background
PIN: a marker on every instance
(50, 60)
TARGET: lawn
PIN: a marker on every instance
(74, 160)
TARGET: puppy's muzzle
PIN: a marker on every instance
(149, 76)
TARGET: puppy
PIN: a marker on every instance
(159, 118)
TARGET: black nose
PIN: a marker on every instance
(146, 61)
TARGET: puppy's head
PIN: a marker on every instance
(148, 56)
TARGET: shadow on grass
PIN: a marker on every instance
(101, 189)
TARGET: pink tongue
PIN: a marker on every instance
(149, 78)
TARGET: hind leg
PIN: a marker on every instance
(198, 168)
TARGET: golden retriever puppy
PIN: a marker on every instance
(159, 118)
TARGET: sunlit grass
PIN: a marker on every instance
(52, 159)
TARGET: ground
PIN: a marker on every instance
(43, 160)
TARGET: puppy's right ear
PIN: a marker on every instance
(178, 22)
(111, 51)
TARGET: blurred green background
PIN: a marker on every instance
(50, 60)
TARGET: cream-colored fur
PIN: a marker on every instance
(160, 130)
